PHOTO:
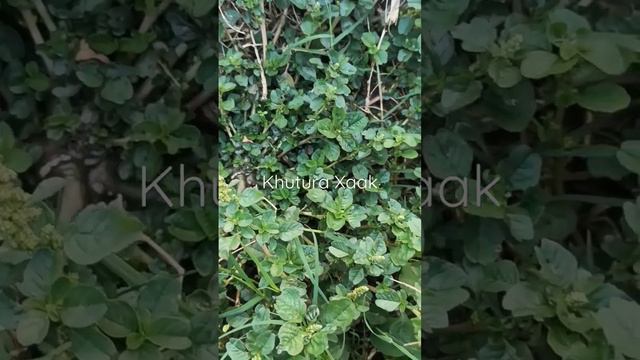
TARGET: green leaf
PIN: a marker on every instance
(316, 195)
(484, 243)
(337, 252)
(602, 53)
(558, 265)
(102, 43)
(520, 224)
(441, 275)
(334, 223)
(119, 321)
(370, 39)
(91, 344)
(17, 160)
(522, 168)
(36, 80)
(621, 324)
(387, 305)
(604, 97)
(629, 155)
(569, 345)
(572, 22)
(32, 328)
(513, 108)
(160, 295)
(290, 231)
(8, 313)
(339, 313)
(250, 196)
(442, 15)
(503, 73)
(291, 339)
(499, 276)
(41, 272)
(169, 332)
(90, 76)
(137, 43)
(523, 299)
(318, 344)
(98, 232)
(632, 215)
(300, 4)
(447, 154)
(477, 35)
(83, 306)
(7, 138)
(47, 188)
(308, 27)
(290, 306)
(236, 350)
(117, 90)
(197, 8)
(537, 64)
(453, 99)
(11, 44)
(145, 352)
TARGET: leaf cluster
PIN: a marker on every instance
(539, 94)
(319, 91)
(91, 93)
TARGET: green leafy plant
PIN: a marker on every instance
(539, 93)
(92, 93)
(324, 92)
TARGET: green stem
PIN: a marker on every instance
(125, 271)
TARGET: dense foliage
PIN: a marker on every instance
(90, 93)
(542, 94)
(318, 90)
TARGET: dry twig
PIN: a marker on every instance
(263, 78)
(44, 14)
(30, 21)
(281, 21)
(151, 17)
(165, 256)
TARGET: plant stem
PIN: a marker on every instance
(44, 14)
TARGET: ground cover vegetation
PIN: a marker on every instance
(544, 95)
(314, 90)
(90, 93)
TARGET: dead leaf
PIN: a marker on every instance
(85, 53)
(394, 11)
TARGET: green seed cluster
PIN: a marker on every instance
(18, 215)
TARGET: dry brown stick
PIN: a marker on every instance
(367, 100)
(199, 99)
(384, 31)
(44, 14)
(152, 16)
(281, 21)
(380, 92)
(72, 200)
(165, 256)
(263, 32)
(30, 21)
(300, 143)
(226, 21)
(145, 89)
(263, 78)
(147, 86)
